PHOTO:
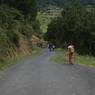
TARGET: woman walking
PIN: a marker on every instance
(71, 54)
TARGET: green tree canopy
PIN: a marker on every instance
(77, 24)
(27, 7)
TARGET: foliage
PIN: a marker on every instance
(77, 25)
(45, 16)
(17, 24)
(60, 3)
(27, 7)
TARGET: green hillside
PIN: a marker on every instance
(49, 9)
(17, 25)
(61, 3)
(45, 16)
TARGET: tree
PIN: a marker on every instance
(77, 25)
(27, 7)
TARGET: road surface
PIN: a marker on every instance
(41, 76)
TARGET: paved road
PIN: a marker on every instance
(41, 76)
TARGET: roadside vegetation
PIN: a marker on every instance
(17, 25)
(20, 20)
(62, 58)
(76, 24)
(17, 59)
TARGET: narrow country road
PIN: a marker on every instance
(41, 76)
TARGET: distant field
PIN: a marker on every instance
(62, 58)
(61, 3)
(45, 16)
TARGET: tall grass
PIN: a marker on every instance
(10, 61)
(85, 60)
(16, 60)
(62, 58)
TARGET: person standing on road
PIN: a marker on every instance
(71, 53)
(50, 47)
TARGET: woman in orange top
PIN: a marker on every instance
(71, 54)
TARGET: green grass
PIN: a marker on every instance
(62, 58)
(85, 60)
(36, 51)
(6, 63)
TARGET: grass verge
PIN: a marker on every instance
(62, 58)
(5, 64)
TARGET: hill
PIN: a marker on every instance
(46, 15)
(49, 9)
(17, 25)
(61, 3)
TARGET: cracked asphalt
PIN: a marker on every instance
(41, 76)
